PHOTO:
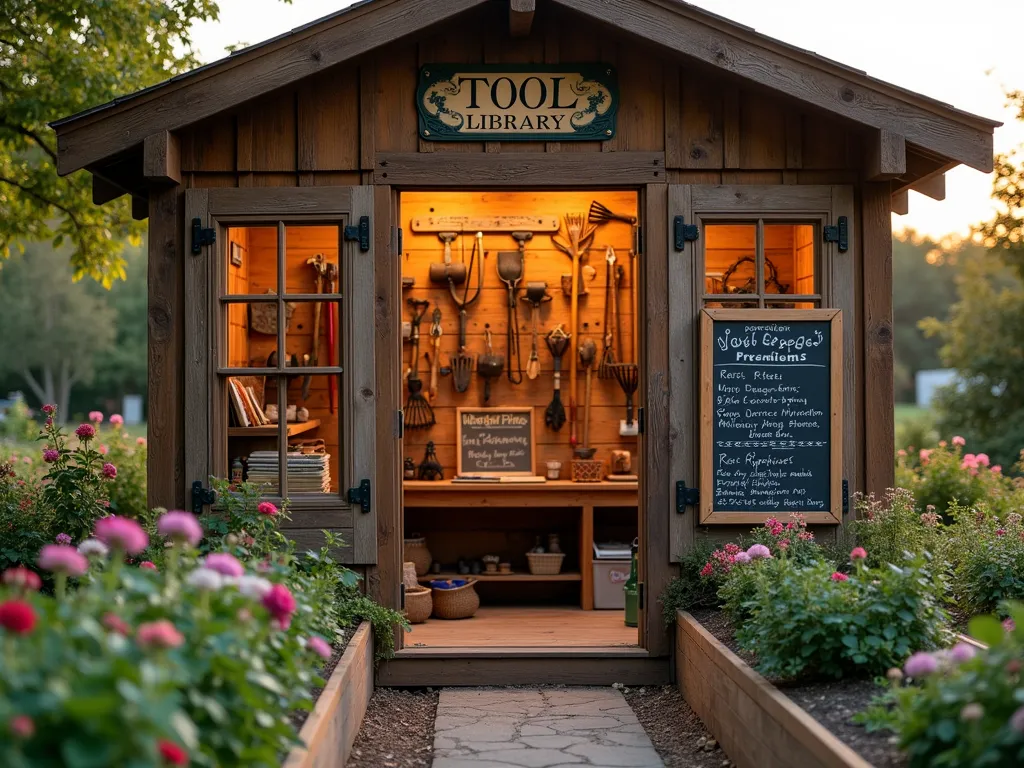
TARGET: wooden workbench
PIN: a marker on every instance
(564, 494)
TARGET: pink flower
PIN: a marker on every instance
(224, 564)
(924, 453)
(180, 526)
(22, 578)
(49, 409)
(171, 753)
(901, 452)
(805, 536)
(114, 623)
(50, 455)
(140, 441)
(22, 726)
(159, 634)
(732, 549)
(921, 664)
(961, 652)
(708, 568)
(837, 576)
(970, 462)
(982, 459)
(319, 647)
(109, 471)
(1017, 720)
(17, 617)
(784, 545)
(280, 603)
(742, 557)
(86, 431)
(116, 420)
(1009, 625)
(266, 508)
(103, 449)
(858, 553)
(1000, 532)
(121, 533)
(996, 468)
(759, 550)
(148, 564)
(96, 417)
(49, 421)
(58, 558)
(957, 440)
(63, 538)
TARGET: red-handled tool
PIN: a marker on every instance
(332, 310)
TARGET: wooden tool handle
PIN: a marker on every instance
(435, 364)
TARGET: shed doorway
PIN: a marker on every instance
(499, 527)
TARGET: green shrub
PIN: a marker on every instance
(791, 538)
(892, 526)
(968, 710)
(812, 621)
(19, 426)
(987, 559)
(127, 491)
(688, 591)
(739, 591)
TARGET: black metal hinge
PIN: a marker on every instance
(641, 420)
(846, 497)
(686, 497)
(360, 496)
(201, 236)
(840, 233)
(201, 497)
(640, 594)
(401, 247)
(359, 232)
(684, 233)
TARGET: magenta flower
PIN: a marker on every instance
(266, 508)
(116, 420)
(961, 652)
(921, 664)
(957, 440)
(50, 455)
(280, 603)
(758, 551)
(1009, 625)
(148, 564)
(22, 726)
(224, 564)
(58, 558)
(121, 533)
(837, 576)
(140, 441)
(96, 417)
(49, 409)
(858, 553)
(1017, 720)
(742, 557)
(86, 431)
(22, 578)
(109, 471)
(180, 527)
(1000, 532)
(116, 624)
(63, 539)
(159, 634)
(319, 647)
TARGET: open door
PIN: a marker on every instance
(280, 382)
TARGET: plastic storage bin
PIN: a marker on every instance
(609, 579)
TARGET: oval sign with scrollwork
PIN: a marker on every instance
(508, 102)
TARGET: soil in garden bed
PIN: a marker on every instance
(398, 730)
(299, 716)
(677, 733)
(833, 703)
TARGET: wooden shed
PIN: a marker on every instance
(375, 240)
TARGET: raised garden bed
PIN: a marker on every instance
(757, 725)
(331, 728)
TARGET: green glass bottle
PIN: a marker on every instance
(630, 586)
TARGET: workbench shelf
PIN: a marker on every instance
(270, 430)
(497, 577)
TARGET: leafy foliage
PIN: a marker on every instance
(891, 526)
(987, 559)
(688, 591)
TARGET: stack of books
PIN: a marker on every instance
(245, 405)
(307, 473)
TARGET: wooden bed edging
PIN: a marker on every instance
(332, 726)
(755, 723)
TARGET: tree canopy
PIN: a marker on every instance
(58, 57)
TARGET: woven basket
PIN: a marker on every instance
(418, 604)
(587, 470)
(409, 575)
(416, 552)
(458, 603)
(545, 563)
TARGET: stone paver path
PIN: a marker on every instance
(539, 728)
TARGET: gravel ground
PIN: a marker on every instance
(398, 730)
(831, 702)
(675, 730)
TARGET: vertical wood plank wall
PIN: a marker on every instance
(329, 130)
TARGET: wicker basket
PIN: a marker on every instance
(587, 470)
(545, 563)
(416, 552)
(458, 603)
(418, 604)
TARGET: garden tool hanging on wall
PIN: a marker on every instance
(453, 273)
(558, 342)
(587, 354)
(462, 363)
(599, 214)
(317, 262)
(510, 271)
(536, 294)
(488, 365)
(610, 313)
(418, 413)
(435, 362)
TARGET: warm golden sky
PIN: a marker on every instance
(948, 49)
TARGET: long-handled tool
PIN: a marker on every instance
(587, 354)
(536, 294)
(628, 376)
(435, 364)
(462, 363)
(418, 413)
(488, 365)
(332, 316)
(599, 214)
(558, 342)
(317, 263)
(447, 271)
(510, 272)
(608, 354)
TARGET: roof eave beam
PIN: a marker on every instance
(933, 187)
(901, 203)
(161, 159)
(104, 191)
(520, 17)
(886, 156)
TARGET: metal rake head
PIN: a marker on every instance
(599, 214)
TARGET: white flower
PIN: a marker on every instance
(93, 548)
(253, 586)
(205, 578)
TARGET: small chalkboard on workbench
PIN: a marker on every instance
(771, 424)
(495, 442)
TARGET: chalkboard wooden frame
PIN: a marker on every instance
(528, 410)
(708, 513)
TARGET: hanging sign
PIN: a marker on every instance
(509, 102)
(771, 399)
(495, 442)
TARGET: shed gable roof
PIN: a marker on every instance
(92, 137)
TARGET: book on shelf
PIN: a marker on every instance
(245, 405)
(238, 410)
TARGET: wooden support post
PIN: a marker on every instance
(901, 203)
(520, 17)
(104, 191)
(886, 156)
(161, 158)
(933, 187)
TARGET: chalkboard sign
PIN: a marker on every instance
(495, 442)
(771, 399)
